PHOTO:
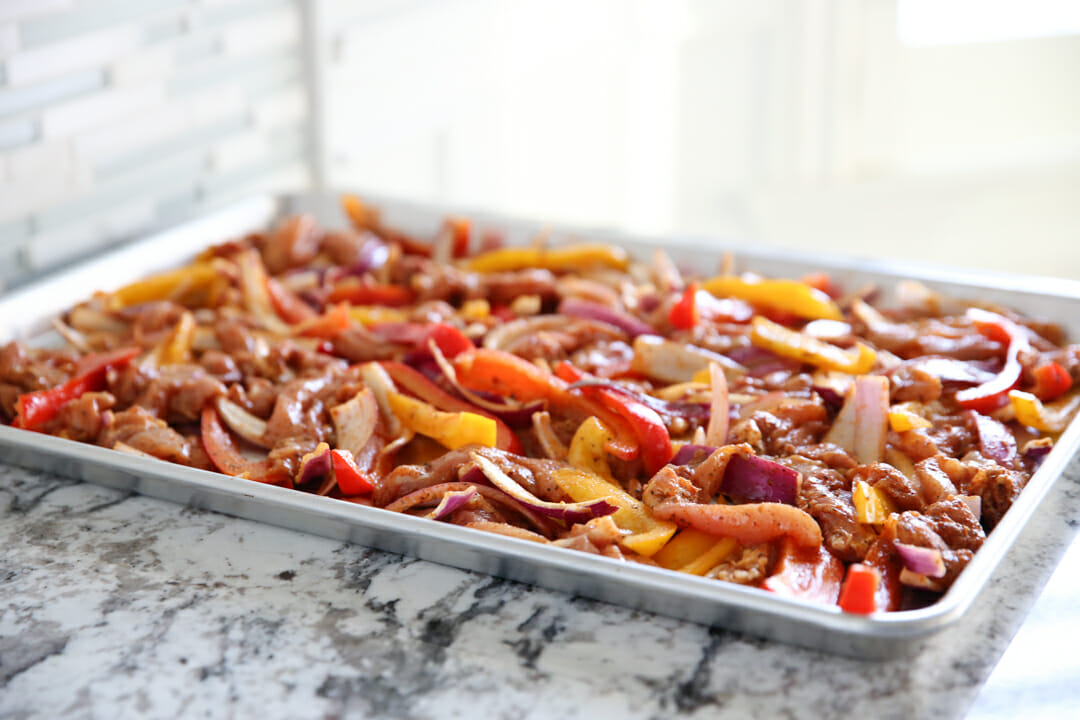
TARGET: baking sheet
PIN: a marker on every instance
(26, 314)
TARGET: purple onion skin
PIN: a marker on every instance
(1036, 454)
(317, 467)
(755, 479)
(454, 502)
(830, 396)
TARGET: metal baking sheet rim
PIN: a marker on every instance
(27, 312)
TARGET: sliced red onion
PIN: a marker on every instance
(576, 307)
(1036, 450)
(676, 362)
(372, 255)
(316, 464)
(995, 440)
(755, 479)
(921, 560)
(451, 502)
(831, 386)
(665, 408)
(570, 512)
(863, 422)
(241, 422)
(951, 370)
(689, 453)
(760, 362)
(355, 420)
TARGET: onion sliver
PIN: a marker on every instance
(354, 421)
(451, 502)
(995, 440)
(576, 307)
(570, 512)
(316, 464)
(921, 560)
(676, 362)
(241, 422)
(717, 432)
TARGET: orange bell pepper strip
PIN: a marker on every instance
(287, 304)
(793, 344)
(453, 430)
(508, 375)
(785, 296)
(858, 593)
(331, 323)
(653, 437)
(357, 292)
(564, 258)
(38, 407)
(807, 573)
(416, 383)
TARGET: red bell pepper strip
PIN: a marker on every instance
(349, 478)
(807, 573)
(225, 456)
(684, 313)
(858, 594)
(652, 434)
(416, 383)
(357, 292)
(287, 304)
(461, 229)
(450, 341)
(994, 393)
(1051, 381)
(696, 305)
(38, 407)
(508, 375)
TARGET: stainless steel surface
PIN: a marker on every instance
(26, 315)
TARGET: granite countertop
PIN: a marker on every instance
(118, 605)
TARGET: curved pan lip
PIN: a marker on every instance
(27, 312)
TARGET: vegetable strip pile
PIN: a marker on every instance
(771, 432)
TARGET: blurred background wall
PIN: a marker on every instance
(945, 131)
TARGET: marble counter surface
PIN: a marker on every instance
(114, 605)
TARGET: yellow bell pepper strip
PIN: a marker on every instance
(1051, 417)
(176, 348)
(419, 385)
(712, 557)
(164, 286)
(872, 507)
(793, 344)
(567, 258)
(369, 315)
(453, 429)
(903, 418)
(787, 296)
(648, 534)
(587, 449)
(992, 394)
(38, 407)
(686, 546)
